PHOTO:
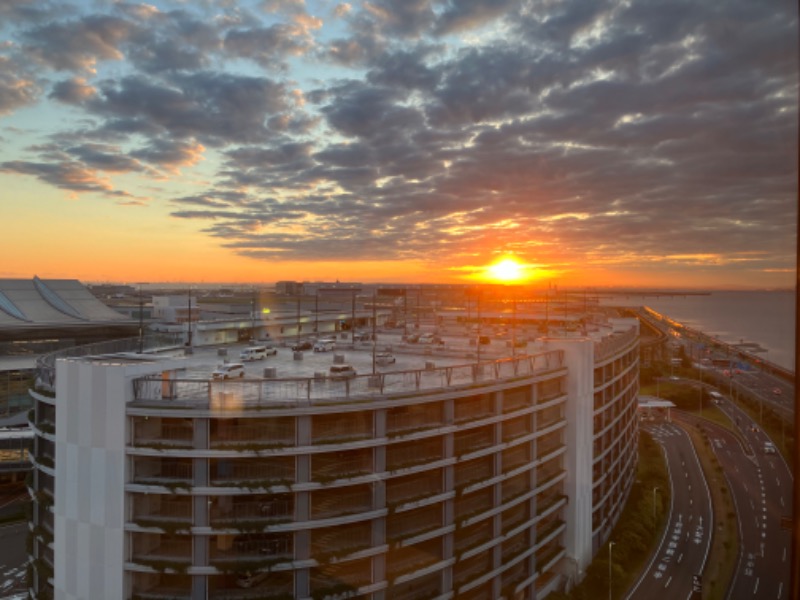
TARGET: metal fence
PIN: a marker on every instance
(152, 342)
(231, 395)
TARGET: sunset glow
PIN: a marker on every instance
(253, 141)
(507, 270)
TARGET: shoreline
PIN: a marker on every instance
(734, 350)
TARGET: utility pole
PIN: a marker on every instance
(141, 320)
(478, 301)
(298, 318)
(189, 336)
(353, 318)
(253, 316)
(405, 313)
(374, 327)
(514, 322)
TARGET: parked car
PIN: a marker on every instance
(256, 353)
(412, 338)
(362, 336)
(325, 346)
(341, 372)
(303, 345)
(228, 371)
(385, 358)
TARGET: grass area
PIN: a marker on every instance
(637, 532)
(725, 541)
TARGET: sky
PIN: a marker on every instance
(637, 143)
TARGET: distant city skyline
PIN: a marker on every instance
(600, 143)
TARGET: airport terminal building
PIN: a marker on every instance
(440, 476)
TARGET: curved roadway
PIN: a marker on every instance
(686, 541)
(761, 484)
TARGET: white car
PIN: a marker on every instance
(256, 353)
(385, 358)
(325, 346)
(228, 371)
(769, 448)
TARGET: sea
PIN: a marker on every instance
(765, 318)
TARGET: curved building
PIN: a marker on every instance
(497, 479)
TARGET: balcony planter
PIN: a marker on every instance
(166, 526)
(334, 592)
(164, 566)
(238, 565)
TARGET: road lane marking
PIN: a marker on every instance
(666, 585)
(780, 589)
(756, 589)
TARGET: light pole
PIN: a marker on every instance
(701, 391)
(610, 546)
(253, 316)
(141, 320)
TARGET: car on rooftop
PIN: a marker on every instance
(385, 358)
(228, 371)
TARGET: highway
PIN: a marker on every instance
(684, 547)
(761, 485)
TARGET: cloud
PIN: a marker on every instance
(215, 108)
(270, 46)
(366, 111)
(171, 155)
(16, 91)
(406, 18)
(68, 175)
(342, 9)
(73, 91)
(460, 15)
(102, 157)
(78, 45)
(579, 131)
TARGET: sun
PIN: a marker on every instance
(506, 270)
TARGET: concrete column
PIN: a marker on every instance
(579, 357)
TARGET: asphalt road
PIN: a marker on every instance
(762, 488)
(685, 544)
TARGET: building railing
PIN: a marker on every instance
(46, 364)
(613, 344)
(265, 392)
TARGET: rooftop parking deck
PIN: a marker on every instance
(285, 379)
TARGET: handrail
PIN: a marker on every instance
(46, 364)
(228, 395)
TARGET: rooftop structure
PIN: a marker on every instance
(486, 471)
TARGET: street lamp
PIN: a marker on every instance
(610, 546)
